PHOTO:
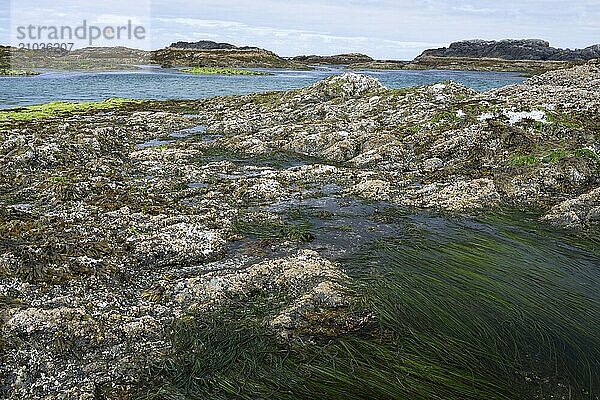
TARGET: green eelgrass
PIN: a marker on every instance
(299, 231)
(464, 309)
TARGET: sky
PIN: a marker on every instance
(384, 29)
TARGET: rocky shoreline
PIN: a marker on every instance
(116, 222)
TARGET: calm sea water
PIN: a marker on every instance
(153, 83)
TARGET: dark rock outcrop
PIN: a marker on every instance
(338, 59)
(528, 49)
(209, 45)
(202, 45)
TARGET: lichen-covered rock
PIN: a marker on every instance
(580, 77)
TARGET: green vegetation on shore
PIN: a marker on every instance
(552, 156)
(14, 72)
(58, 108)
(220, 71)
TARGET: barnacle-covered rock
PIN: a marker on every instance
(458, 196)
(580, 212)
(344, 86)
(308, 283)
(293, 276)
(182, 240)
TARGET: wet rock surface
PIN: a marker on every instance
(114, 224)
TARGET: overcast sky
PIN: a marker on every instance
(394, 29)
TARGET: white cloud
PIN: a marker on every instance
(120, 19)
(201, 23)
(475, 10)
(286, 42)
(380, 28)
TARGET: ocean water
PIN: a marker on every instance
(163, 84)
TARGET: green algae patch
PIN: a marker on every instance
(221, 71)
(524, 161)
(15, 72)
(404, 90)
(565, 120)
(414, 128)
(552, 157)
(58, 108)
(268, 100)
(445, 120)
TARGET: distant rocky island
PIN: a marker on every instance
(223, 55)
(530, 56)
(509, 49)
